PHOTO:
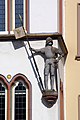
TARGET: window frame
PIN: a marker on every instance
(78, 107)
(9, 10)
(77, 57)
(13, 100)
(23, 78)
(25, 15)
(21, 102)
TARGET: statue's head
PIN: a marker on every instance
(49, 41)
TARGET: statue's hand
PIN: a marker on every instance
(62, 55)
(30, 49)
(56, 60)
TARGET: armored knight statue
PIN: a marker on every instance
(51, 55)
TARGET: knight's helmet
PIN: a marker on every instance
(49, 41)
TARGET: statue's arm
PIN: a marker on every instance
(58, 53)
(42, 50)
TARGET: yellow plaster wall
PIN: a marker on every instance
(72, 66)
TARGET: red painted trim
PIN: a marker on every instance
(8, 16)
(4, 81)
(9, 85)
(60, 16)
(28, 84)
(27, 15)
(61, 31)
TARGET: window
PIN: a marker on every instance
(9, 14)
(78, 33)
(18, 10)
(2, 15)
(20, 102)
(15, 98)
(78, 44)
(21, 98)
(2, 102)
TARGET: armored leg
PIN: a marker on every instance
(46, 82)
(52, 77)
(52, 82)
(56, 81)
(46, 72)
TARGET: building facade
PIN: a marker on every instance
(20, 95)
(71, 28)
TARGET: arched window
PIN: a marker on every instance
(21, 98)
(20, 101)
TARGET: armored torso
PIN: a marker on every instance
(50, 52)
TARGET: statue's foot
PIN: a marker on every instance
(53, 89)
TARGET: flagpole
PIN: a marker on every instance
(39, 79)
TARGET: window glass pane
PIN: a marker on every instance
(18, 10)
(20, 102)
(2, 15)
(2, 102)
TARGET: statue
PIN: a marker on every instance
(51, 55)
